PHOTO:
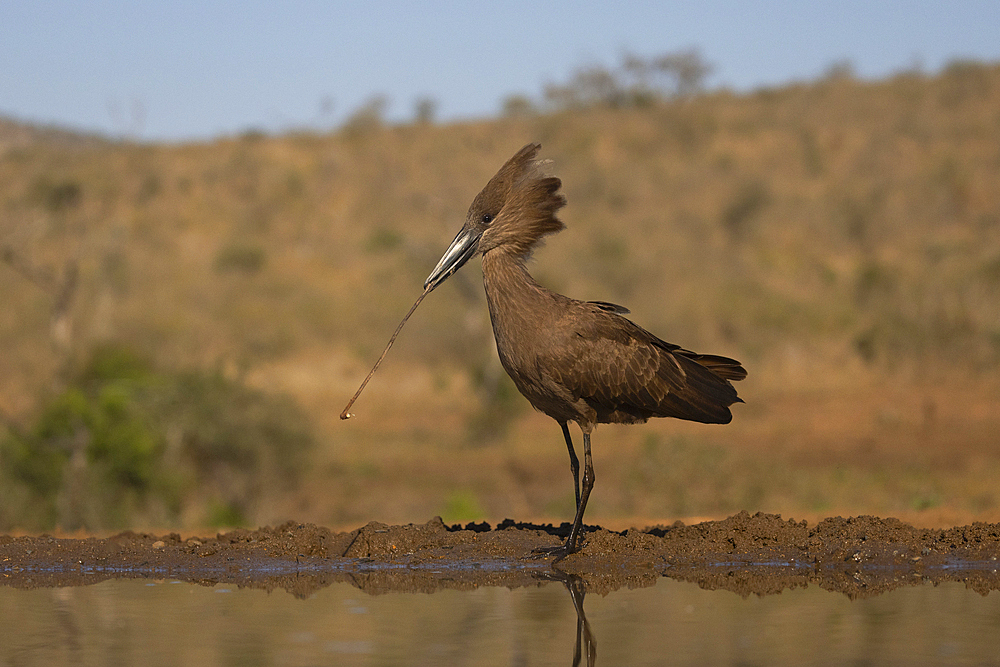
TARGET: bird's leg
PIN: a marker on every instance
(573, 541)
(574, 463)
(572, 544)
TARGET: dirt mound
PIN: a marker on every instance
(759, 554)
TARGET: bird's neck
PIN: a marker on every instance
(507, 280)
(515, 300)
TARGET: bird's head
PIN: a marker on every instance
(511, 214)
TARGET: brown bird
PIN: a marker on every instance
(574, 360)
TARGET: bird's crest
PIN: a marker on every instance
(518, 206)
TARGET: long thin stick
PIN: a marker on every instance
(347, 415)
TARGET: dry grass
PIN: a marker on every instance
(841, 238)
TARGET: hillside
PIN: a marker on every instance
(841, 238)
(15, 134)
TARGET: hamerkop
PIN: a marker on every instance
(574, 360)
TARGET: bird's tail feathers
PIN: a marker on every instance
(723, 367)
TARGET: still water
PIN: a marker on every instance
(137, 622)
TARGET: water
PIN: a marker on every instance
(137, 622)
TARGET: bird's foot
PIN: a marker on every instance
(557, 552)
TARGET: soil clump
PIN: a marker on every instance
(747, 554)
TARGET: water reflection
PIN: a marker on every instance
(585, 642)
(163, 622)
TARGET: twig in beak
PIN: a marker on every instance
(347, 415)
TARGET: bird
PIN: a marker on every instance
(575, 361)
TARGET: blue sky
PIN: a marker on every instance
(197, 69)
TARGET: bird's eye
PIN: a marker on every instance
(487, 218)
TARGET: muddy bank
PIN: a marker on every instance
(759, 554)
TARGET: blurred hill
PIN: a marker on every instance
(840, 237)
(19, 134)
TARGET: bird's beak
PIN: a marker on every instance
(458, 253)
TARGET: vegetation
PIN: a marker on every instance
(123, 443)
(840, 237)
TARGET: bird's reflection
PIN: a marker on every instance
(585, 641)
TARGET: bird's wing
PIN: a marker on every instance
(609, 307)
(621, 369)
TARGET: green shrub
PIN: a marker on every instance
(240, 258)
(124, 442)
(56, 195)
